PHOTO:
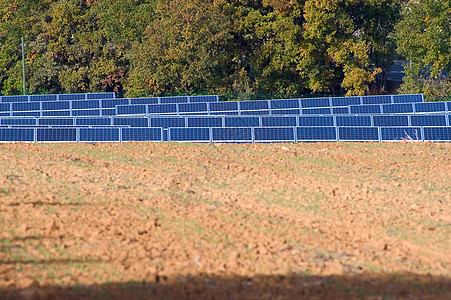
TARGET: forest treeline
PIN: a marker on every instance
(243, 47)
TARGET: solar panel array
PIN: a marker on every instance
(103, 118)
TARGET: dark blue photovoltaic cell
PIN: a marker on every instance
(99, 135)
(16, 134)
(141, 134)
(232, 134)
(274, 134)
(131, 109)
(26, 106)
(193, 107)
(5, 114)
(189, 134)
(284, 104)
(5, 107)
(224, 106)
(85, 112)
(56, 121)
(253, 105)
(340, 110)
(72, 97)
(56, 135)
(242, 122)
(358, 121)
(316, 111)
(428, 120)
(308, 121)
(56, 105)
(390, 121)
(132, 122)
(144, 101)
(224, 113)
(365, 109)
(56, 113)
(209, 98)
(108, 112)
(430, 107)
(316, 134)
(407, 98)
(92, 121)
(315, 102)
(255, 112)
(112, 103)
(279, 121)
(449, 106)
(449, 120)
(345, 101)
(167, 122)
(44, 98)
(397, 108)
(383, 99)
(285, 112)
(204, 122)
(26, 113)
(437, 133)
(6, 99)
(166, 100)
(358, 134)
(401, 133)
(18, 121)
(86, 104)
(100, 96)
(163, 109)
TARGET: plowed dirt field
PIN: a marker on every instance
(225, 221)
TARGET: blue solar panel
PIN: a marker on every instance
(193, 107)
(279, 121)
(365, 109)
(315, 102)
(204, 121)
(99, 134)
(56, 135)
(389, 121)
(5, 107)
(189, 134)
(316, 111)
(132, 122)
(274, 134)
(340, 110)
(224, 106)
(56, 113)
(241, 122)
(5, 114)
(232, 134)
(26, 113)
(284, 103)
(253, 105)
(85, 112)
(397, 108)
(163, 109)
(56, 105)
(26, 106)
(166, 100)
(310, 134)
(92, 121)
(430, 107)
(358, 134)
(255, 112)
(16, 134)
(100, 96)
(224, 113)
(308, 121)
(442, 134)
(401, 133)
(449, 106)
(86, 104)
(209, 98)
(131, 109)
(56, 121)
(6, 99)
(449, 120)
(143, 101)
(166, 122)
(112, 103)
(345, 101)
(407, 98)
(428, 120)
(141, 134)
(385, 99)
(43, 98)
(353, 121)
(18, 121)
(72, 97)
(285, 112)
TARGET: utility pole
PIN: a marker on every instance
(23, 67)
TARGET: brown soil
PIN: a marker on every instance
(225, 221)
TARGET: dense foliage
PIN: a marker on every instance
(244, 47)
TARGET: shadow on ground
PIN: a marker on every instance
(389, 286)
